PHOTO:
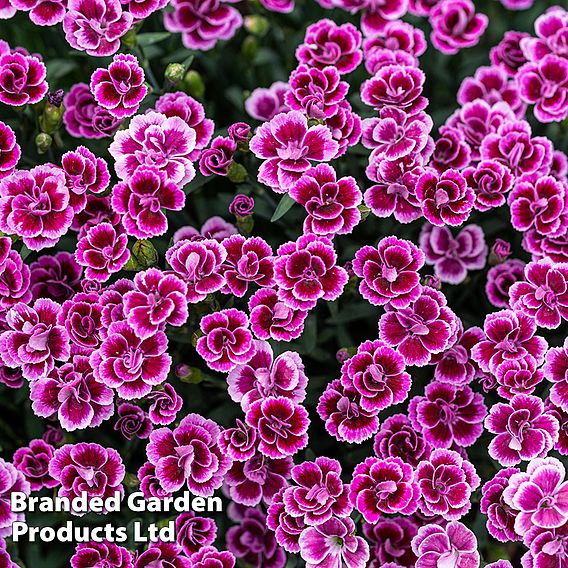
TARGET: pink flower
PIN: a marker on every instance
(190, 455)
(215, 228)
(202, 24)
(327, 43)
(287, 144)
(424, 328)
(165, 404)
(509, 336)
(491, 181)
(331, 203)
(96, 26)
(265, 104)
(265, 376)
(33, 339)
(547, 546)
(194, 533)
(15, 276)
(129, 364)
(455, 545)
(333, 543)
(382, 487)
(398, 37)
(399, 86)
(550, 30)
(217, 159)
(524, 430)
(141, 9)
(10, 151)
(446, 481)
(72, 393)
(248, 261)
(306, 270)
(141, 200)
(239, 442)
(154, 140)
(545, 84)
(500, 278)
(102, 251)
(120, 88)
(132, 422)
(345, 127)
(227, 341)
(345, 419)
(540, 494)
(198, 264)
(451, 150)
(11, 480)
(165, 553)
(210, 557)
(150, 485)
(35, 205)
(455, 25)
(377, 372)
(33, 462)
(316, 92)
(272, 319)
(287, 528)
(508, 54)
(376, 16)
(101, 554)
(390, 542)
(158, 299)
(561, 445)
(556, 370)
(397, 438)
(81, 317)
(453, 257)
(446, 198)
(88, 468)
(282, 426)
(242, 205)
(448, 415)
(22, 78)
(518, 377)
(389, 272)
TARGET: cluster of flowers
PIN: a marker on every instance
(92, 345)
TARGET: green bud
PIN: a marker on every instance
(193, 375)
(131, 481)
(194, 84)
(145, 253)
(315, 122)
(51, 118)
(129, 38)
(245, 224)
(43, 142)
(257, 25)
(237, 173)
(249, 47)
(174, 73)
(364, 211)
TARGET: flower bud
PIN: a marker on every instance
(237, 173)
(249, 47)
(145, 253)
(174, 73)
(500, 252)
(43, 142)
(257, 25)
(194, 84)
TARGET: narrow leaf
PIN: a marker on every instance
(283, 207)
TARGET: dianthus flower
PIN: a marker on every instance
(397, 36)
(490, 181)
(500, 278)
(215, 228)
(518, 377)
(508, 53)
(33, 461)
(11, 480)
(451, 150)
(556, 370)
(10, 150)
(239, 442)
(390, 542)
(265, 104)
(446, 481)
(101, 554)
(162, 553)
(287, 528)
(132, 421)
(287, 145)
(210, 557)
(141, 9)
(42, 12)
(150, 485)
(194, 533)
(22, 77)
(217, 159)
(165, 404)
(524, 430)
(81, 317)
(345, 127)
(15, 276)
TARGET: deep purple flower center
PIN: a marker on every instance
(347, 407)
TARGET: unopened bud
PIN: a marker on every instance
(194, 84)
(43, 142)
(237, 173)
(249, 47)
(174, 73)
(257, 25)
(145, 253)
(500, 252)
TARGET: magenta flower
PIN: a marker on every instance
(190, 455)
(378, 57)
(345, 419)
(15, 276)
(397, 37)
(96, 26)
(455, 545)
(547, 546)
(101, 554)
(550, 30)
(217, 159)
(540, 205)
(102, 251)
(10, 151)
(239, 442)
(164, 553)
(455, 25)
(129, 364)
(490, 181)
(141, 9)
(500, 278)
(306, 270)
(500, 516)
(544, 83)
(397, 438)
(142, 199)
(331, 203)
(451, 150)
(383, 486)
(287, 144)
(524, 430)
(11, 480)
(35, 205)
(215, 228)
(390, 542)
(556, 370)
(540, 494)
(165, 404)
(345, 127)
(132, 421)
(448, 415)
(378, 373)
(33, 461)
(227, 341)
(87, 468)
(81, 317)
(509, 336)
(42, 12)
(210, 557)
(22, 78)
(247, 261)
(446, 481)
(399, 86)
(194, 533)
(319, 495)
(327, 43)
(453, 257)
(446, 199)
(518, 377)
(150, 485)
(272, 319)
(287, 528)
(33, 339)
(156, 141)
(333, 543)
(265, 104)
(242, 205)
(424, 328)
(158, 299)
(389, 272)
(120, 88)
(265, 376)
(72, 393)
(508, 53)
(84, 118)
(202, 24)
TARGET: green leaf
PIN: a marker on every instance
(283, 207)
(151, 38)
